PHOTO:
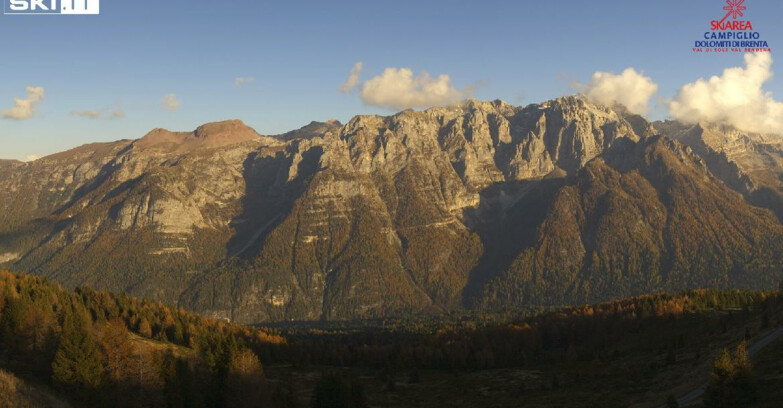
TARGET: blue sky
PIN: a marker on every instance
(300, 52)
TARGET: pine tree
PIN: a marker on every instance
(180, 384)
(12, 326)
(77, 363)
(245, 384)
(216, 351)
(731, 382)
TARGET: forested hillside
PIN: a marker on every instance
(100, 349)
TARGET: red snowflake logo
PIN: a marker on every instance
(734, 8)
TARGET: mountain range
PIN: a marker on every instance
(479, 205)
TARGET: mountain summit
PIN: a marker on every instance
(483, 204)
(209, 136)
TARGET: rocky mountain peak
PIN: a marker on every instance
(312, 130)
(229, 130)
(208, 136)
(577, 107)
(749, 163)
(496, 105)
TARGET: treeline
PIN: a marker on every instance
(101, 349)
(654, 325)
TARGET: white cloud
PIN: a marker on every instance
(397, 88)
(170, 102)
(630, 89)
(89, 114)
(31, 158)
(97, 114)
(25, 108)
(353, 78)
(244, 80)
(735, 98)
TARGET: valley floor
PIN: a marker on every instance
(644, 380)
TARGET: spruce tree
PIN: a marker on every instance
(731, 382)
(12, 324)
(77, 363)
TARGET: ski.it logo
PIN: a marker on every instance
(51, 6)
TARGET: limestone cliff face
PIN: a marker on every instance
(375, 214)
(749, 163)
(36, 189)
(117, 215)
(430, 210)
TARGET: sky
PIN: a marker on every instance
(176, 64)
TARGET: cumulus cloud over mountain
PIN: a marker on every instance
(629, 88)
(736, 98)
(399, 88)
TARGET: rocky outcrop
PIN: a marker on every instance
(749, 163)
(313, 129)
(209, 136)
